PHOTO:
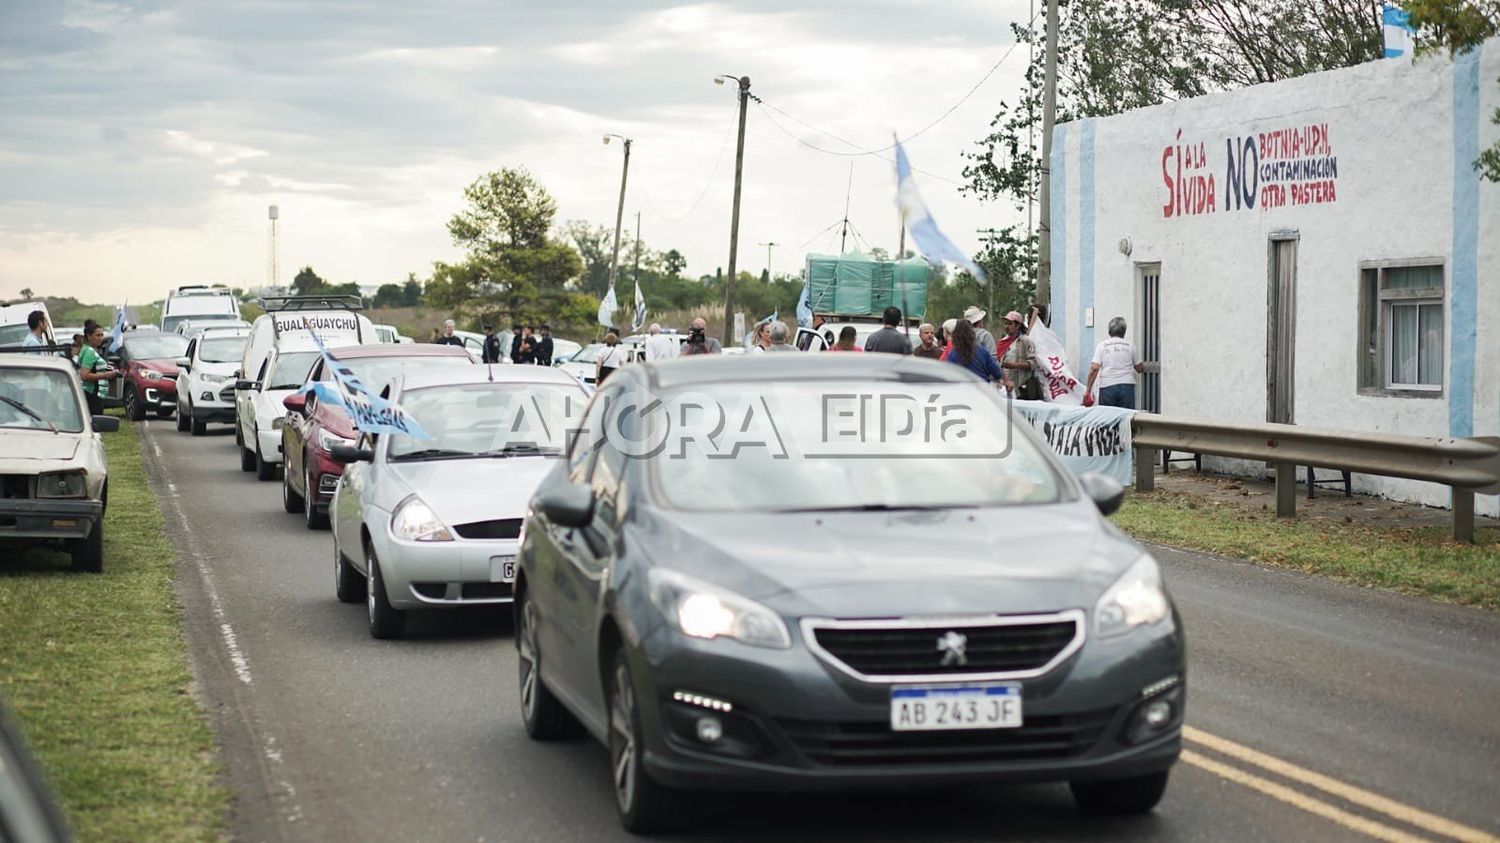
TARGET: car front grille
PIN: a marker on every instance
(855, 744)
(990, 647)
(500, 528)
(16, 486)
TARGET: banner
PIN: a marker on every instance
(1089, 439)
(369, 412)
(1058, 384)
(639, 321)
(607, 309)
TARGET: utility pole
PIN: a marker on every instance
(990, 234)
(849, 189)
(614, 264)
(1049, 114)
(768, 256)
(635, 272)
(734, 222)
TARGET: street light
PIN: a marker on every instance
(734, 223)
(614, 262)
(768, 257)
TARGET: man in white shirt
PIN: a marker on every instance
(36, 322)
(660, 346)
(1115, 365)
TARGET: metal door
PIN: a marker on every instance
(1281, 323)
(1148, 332)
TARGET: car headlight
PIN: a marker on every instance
(153, 375)
(415, 521)
(1136, 599)
(327, 440)
(208, 378)
(63, 484)
(701, 610)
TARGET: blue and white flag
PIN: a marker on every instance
(804, 306)
(1399, 34)
(607, 309)
(369, 412)
(931, 242)
(639, 320)
(117, 332)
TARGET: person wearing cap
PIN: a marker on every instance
(1019, 360)
(491, 345)
(975, 316)
(928, 347)
(1005, 342)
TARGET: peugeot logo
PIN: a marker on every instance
(952, 645)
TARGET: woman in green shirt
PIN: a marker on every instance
(93, 368)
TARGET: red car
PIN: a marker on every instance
(148, 363)
(312, 428)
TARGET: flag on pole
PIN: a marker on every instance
(369, 412)
(931, 242)
(117, 332)
(607, 309)
(1398, 33)
(804, 306)
(1058, 384)
(639, 320)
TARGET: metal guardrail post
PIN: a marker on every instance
(1286, 490)
(1145, 469)
(1463, 515)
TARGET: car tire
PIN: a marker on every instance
(264, 470)
(88, 554)
(314, 519)
(386, 621)
(1136, 795)
(200, 428)
(247, 459)
(134, 409)
(184, 421)
(348, 584)
(644, 805)
(290, 500)
(542, 715)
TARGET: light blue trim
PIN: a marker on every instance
(1464, 279)
(1085, 240)
(1059, 226)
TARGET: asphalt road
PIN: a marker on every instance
(1317, 711)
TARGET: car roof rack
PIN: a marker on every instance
(275, 304)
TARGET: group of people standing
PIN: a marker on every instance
(86, 351)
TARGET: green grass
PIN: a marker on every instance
(1422, 561)
(95, 668)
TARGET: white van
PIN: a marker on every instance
(13, 325)
(198, 303)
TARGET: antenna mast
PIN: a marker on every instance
(274, 272)
(847, 190)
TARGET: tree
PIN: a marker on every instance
(307, 282)
(595, 245)
(26, 293)
(674, 263)
(389, 295)
(411, 291)
(1458, 27)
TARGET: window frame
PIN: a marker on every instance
(1373, 376)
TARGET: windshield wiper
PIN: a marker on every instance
(28, 411)
(526, 449)
(867, 507)
(434, 454)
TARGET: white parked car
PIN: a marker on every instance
(435, 523)
(563, 350)
(54, 481)
(199, 303)
(259, 409)
(14, 327)
(584, 362)
(193, 327)
(211, 363)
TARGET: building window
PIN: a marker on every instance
(1401, 328)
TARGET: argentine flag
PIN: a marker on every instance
(117, 332)
(804, 306)
(931, 242)
(640, 309)
(607, 309)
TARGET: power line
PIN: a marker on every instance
(723, 145)
(889, 160)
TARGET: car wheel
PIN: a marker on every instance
(134, 409)
(386, 621)
(541, 713)
(264, 470)
(247, 459)
(644, 806)
(88, 554)
(348, 584)
(184, 422)
(314, 519)
(290, 500)
(1122, 796)
(200, 428)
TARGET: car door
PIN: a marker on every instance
(185, 378)
(295, 432)
(347, 510)
(247, 403)
(587, 570)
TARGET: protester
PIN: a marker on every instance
(947, 338)
(448, 338)
(526, 353)
(968, 352)
(888, 339)
(1003, 346)
(699, 342)
(778, 333)
(92, 368)
(975, 316)
(1019, 362)
(659, 346)
(611, 359)
(1115, 366)
(436, 337)
(36, 320)
(761, 338)
(491, 345)
(544, 346)
(847, 336)
(928, 347)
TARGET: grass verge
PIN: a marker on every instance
(94, 666)
(1422, 561)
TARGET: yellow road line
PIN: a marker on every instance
(1354, 822)
(1358, 796)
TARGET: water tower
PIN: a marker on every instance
(275, 274)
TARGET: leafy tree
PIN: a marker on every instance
(308, 283)
(411, 291)
(26, 293)
(595, 245)
(674, 263)
(389, 295)
(1457, 26)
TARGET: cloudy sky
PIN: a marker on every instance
(143, 141)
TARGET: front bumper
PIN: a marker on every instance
(323, 478)
(207, 403)
(49, 519)
(798, 723)
(435, 575)
(161, 395)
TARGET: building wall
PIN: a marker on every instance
(1385, 152)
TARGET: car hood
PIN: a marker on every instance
(880, 564)
(462, 491)
(25, 451)
(216, 368)
(166, 367)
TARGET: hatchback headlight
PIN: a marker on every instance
(701, 610)
(63, 484)
(415, 521)
(211, 378)
(153, 375)
(1136, 599)
(327, 440)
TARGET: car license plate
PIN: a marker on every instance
(502, 569)
(933, 708)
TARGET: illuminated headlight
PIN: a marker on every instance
(153, 375)
(1136, 599)
(415, 521)
(701, 610)
(63, 484)
(327, 440)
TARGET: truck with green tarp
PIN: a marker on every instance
(854, 287)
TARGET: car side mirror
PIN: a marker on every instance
(295, 403)
(184, 363)
(244, 384)
(1105, 491)
(346, 454)
(568, 504)
(105, 424)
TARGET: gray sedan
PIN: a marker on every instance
(839, 572)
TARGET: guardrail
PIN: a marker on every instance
(1466, 466)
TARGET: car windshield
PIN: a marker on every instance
(221, 349)
(809, 446)
(291, 369)
(376, 372)
(39, 399)
(155, 346)
(488, 420)
(588, 353)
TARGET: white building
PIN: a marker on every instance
(1318, 251)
